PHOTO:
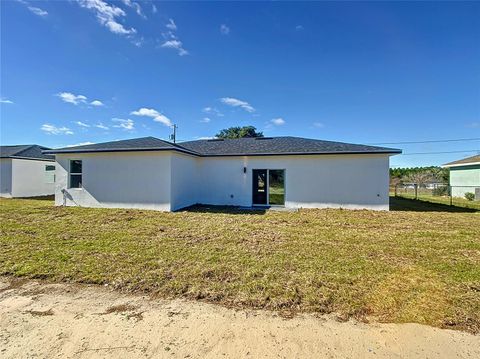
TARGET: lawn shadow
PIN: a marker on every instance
(413, 205)
(201, 208)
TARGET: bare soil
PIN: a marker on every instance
(44, 320)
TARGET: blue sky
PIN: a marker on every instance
(92, 71)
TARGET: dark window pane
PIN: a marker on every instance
(76, 166)
(276, 187)
(75, 181)
(259, 187)
(49, 168)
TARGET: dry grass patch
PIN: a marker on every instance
(401, 266)
(120, 308)
(40, 313)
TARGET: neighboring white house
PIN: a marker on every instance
(292, 172)
(25, 171)
(465, 176)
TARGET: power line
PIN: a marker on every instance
(435, 153)
(431, 141)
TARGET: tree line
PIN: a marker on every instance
(419, 175)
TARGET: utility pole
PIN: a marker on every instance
(173, 137)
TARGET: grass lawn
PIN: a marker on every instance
(404, 265)
(456, 201)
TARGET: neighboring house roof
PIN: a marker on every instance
(233, 147)
(473, 160)
(29, 152)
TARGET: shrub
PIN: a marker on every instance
(470, 196)
(440, 191)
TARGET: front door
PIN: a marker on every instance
(259, 189)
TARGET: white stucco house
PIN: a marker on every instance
(293, 172)
(25, 171)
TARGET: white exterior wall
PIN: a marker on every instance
(314, 181)
(185, 180)
(5, 177)
(116, 180)
(171, 181)
(25, 178)
(464, 179)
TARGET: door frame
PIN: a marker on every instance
(267, 187)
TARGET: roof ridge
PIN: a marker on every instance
(27, 147)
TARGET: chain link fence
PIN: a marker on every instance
(441, 193)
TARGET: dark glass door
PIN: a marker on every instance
(259, 189)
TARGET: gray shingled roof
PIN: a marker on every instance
(278, 146)
(234, 147)
(134, 144)
(469, 160)
(25, 152)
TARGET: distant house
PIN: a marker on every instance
(465, 176)
(25, 171)
(280, 171)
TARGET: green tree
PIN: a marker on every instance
(419, 174)
(239, 132)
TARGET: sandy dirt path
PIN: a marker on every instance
(76, 321)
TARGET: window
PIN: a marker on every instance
(49, 174)
(276, 187)
(75, 174)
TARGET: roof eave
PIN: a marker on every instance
(304, 153)
(448, 165)
(28, 158)
(54, 152)
(389, 152)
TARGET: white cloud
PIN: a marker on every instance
(205, 138)
(154, 8)
(136, 6)
(171, 25)
(77, 99)
(278, 121)
(81, 124)
(102, 126)
(299, 27)
(125, 124)
(212, 111)
(139, 41)
(175, 44)
(224, 29)
(230, 101)
(81, 144)
(96, 103)
(54, 130)
(150, 112)
(205, 120)
(318, 125)
(171, 40)
(5, 100)
(107, 15)
(473, 125)
(71, 98)
(118, 28)
(37, 11)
